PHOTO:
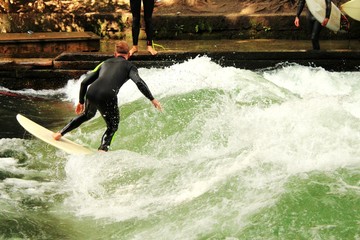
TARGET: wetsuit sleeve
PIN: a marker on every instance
(134, 76)
(89, 79)
(328, 8)
(301, 7)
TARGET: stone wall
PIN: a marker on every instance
(262, 26)
(18, 74)
(112, 19)
(103, 17)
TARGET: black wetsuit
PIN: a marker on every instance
(313, 25)
(105, 82)
(135, 6)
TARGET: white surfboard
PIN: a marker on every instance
(352, 8)
(47, 136)
(337, 20)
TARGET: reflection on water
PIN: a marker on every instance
(49, 111)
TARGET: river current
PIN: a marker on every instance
(236, 154)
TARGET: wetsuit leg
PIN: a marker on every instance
(110, 113)
(148, 11)
(315, 35)
(315, 27)
(135, 6)
(90, 111)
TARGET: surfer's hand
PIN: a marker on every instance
(79, 108)
(297, 22)
(325, 22)
(157, 104)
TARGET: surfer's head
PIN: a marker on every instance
(121, 49)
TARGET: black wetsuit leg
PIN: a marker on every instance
(315, 28)
(315, 35)
(110, 113)
(148, 11)
(90, 111)
(135, 6)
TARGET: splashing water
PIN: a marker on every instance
(236, 154)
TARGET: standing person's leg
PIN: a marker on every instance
(135, 6)
(111, 115)
(315, 35)
(148, 11)
(314, 27)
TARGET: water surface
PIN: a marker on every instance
(236, 154)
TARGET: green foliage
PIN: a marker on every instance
(178, 29)
(103, 17)
(203, 27)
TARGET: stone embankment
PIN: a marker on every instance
(48, 59)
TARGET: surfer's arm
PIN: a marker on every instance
(327, 13)
(134, 76)
(89, 79)
(299, 10)
(79, 108)
(328, 9)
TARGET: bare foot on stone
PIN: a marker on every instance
(133, 50)
(151, 50)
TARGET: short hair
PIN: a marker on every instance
(122, 47)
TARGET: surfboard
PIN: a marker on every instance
(46, 135)
(352, 8)
(337, 20)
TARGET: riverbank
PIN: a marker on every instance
(172, 19)
(260, 38)
(52, 73)
(236, 154)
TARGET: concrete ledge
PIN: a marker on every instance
(54, 73)
(47, 44)
(37, 78)
(238, 26)
(26, 63)
(117, 25)
(336, 60)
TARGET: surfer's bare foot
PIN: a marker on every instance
(57, 136)
(151, 50)
(133, 50)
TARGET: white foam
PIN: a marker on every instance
(29, 188)
(238, 142)
(34, 93)
(314, 81)
(176, 79)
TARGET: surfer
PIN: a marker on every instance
(313, 25)
(98, 91)
(135, 6)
